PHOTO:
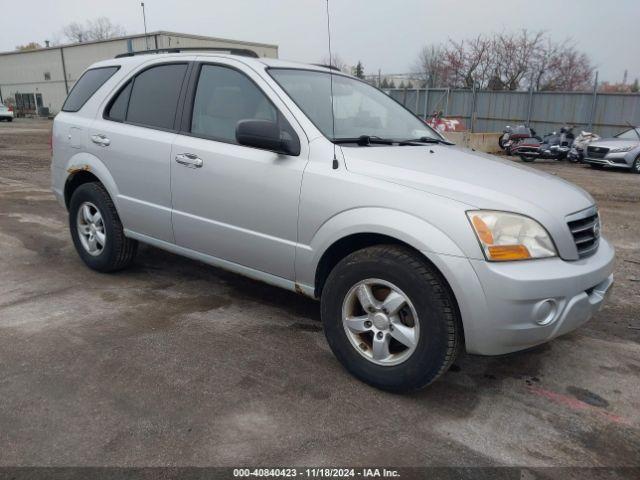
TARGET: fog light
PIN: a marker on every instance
(545, 311)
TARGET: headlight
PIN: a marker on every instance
(621, 149)
(508, 236)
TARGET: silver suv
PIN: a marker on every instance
(414, 246)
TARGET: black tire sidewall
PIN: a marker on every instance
(426, 362)
(635, 166)
(90, 192)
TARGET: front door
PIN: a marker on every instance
(233, 202)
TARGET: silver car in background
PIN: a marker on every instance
(6, 113)
(317, 182)
(622, 151)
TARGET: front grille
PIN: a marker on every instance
(597, 152)
(586, 234)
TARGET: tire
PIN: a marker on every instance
(10, 119)
(439, 333)
(635, 166)
(117, 251)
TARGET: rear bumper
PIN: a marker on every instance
(512, 306)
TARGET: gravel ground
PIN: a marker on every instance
(176, 363)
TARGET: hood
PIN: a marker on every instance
(478, 180)
(615, 142)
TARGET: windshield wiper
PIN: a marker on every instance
(364, 140)
(413, 141)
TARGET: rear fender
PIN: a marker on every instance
(90, 163)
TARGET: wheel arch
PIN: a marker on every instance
(362, 227)
(84, 168)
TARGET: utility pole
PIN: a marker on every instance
(144, 19)
(592, 114)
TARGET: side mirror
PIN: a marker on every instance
(266, 135)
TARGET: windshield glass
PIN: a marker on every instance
(629, 135)
(360, 109)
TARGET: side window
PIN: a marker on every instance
(118, 109)
(225, 96)
(154, 96)
(86, 86)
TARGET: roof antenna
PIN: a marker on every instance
(333, 114)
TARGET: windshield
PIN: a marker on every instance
(360, 109)
(629, 134)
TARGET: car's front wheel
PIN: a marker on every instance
(635, 168)
(97, 231)
(390, 319)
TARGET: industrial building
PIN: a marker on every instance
(36, 80)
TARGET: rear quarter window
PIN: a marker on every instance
(86, 86)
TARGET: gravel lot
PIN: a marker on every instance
(177, 363)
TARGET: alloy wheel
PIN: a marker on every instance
(91, 230)
(380, 322)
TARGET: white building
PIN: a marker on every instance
(42, 78)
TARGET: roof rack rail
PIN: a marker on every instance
(233, 51)
(331, 67)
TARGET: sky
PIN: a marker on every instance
(385, 35)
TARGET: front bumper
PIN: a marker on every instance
(611, 160)
(512, 306)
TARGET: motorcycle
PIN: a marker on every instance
(555, 145)
(576, 154)
(511, 136)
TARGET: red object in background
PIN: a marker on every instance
(11, 108)
(442, 124)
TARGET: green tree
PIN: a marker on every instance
(358, 70)
(635, 87)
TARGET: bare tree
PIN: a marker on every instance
(336, 61)
(74, 32)
(513, 56)
(100, 28)
(504, 61)
(429, 66)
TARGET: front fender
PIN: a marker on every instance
(402, 226)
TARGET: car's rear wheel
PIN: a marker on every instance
(390, 318)
(97, 231)
(527, 158)
(635, 168)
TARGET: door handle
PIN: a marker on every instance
(189, 160)
(100, 140)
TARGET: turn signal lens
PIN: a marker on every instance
(506, 236)
(509, 252)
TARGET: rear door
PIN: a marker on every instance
(235, 203)
(133, 139)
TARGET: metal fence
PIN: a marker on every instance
(489, 111)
